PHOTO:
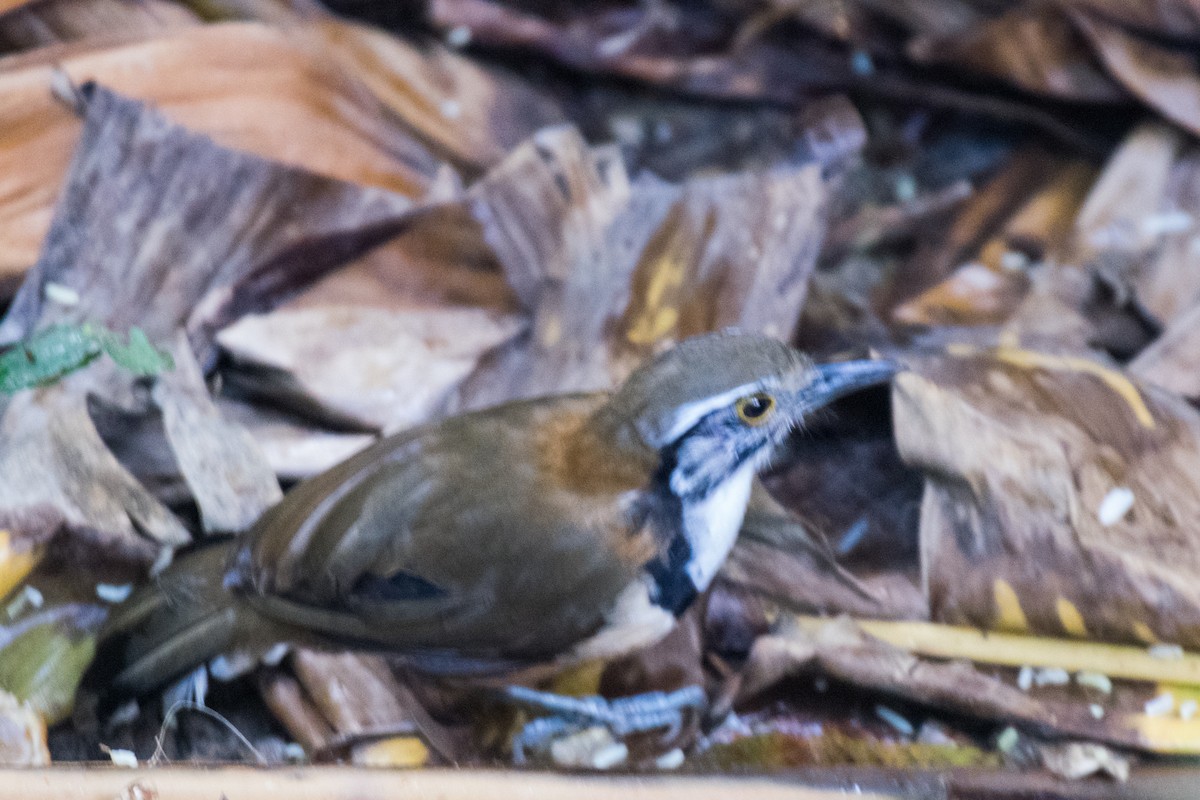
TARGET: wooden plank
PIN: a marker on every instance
(343, 783)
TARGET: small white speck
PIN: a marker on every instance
(62, 295)
(1051, 676)
(610, 756)
(459, 36)
(162, 561)
(898, 722)
(1187, 710)
(294, 752)
(862, 63)
(1166, 652)
(1096, 710)
(451, 109)
(1014, 260)
(905, 188)
(123, 758)
(977, 277)
(1007, 740)
(672, 759)
(1160, 706)
(627, 130)
(29, 596)
(1025, 678)
(111, 593)
(1165, 222)
(1094, 680)
(1115, 505)
(275, 654)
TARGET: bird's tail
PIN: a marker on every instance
(180, 620)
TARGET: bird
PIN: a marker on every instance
(532, 535)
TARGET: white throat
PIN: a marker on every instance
(711, 525)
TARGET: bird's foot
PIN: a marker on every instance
(570, 717)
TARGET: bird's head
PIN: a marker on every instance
(716, 405)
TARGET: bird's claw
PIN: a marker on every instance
(621, 717)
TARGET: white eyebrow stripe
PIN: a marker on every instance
(692, 413)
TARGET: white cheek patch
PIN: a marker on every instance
(711, 525)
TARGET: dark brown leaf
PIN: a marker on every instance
(1058, 496)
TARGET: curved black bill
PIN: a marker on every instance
(845, 377)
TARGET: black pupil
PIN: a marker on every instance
(755, 407)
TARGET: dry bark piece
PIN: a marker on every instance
(291, 707)
(1058, 496)
(226, 472)
(1075, 760)
(356, 693)
(365, 709)
(380, 369)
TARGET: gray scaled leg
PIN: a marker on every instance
(622, 716)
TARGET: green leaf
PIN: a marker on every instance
(59, 350)
(46, 356)
(139, 356)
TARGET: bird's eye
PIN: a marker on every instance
(755, 409)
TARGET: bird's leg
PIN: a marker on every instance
(622, 716)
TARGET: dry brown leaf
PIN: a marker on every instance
(1032, 46)
(1137, 231)
(1059, 496)
(36, 24)
(598, 260)
(1178, 19)
(1173, 360)
(1166, 79)
(977, 220)
(471, 115)
(295, 449)
(841, 649)
(989, 289)
(194, 274)
(601, 40)
(226, 473)
(377, 368)
(250, 87)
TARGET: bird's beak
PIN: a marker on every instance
(842, 378)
